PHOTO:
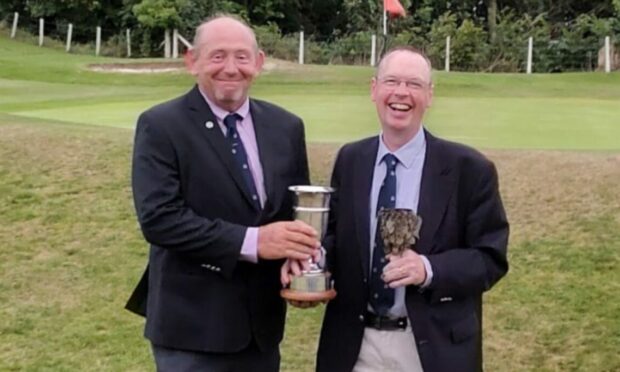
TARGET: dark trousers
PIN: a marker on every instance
(248, 359)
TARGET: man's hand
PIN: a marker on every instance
(287, 239)
(404, 269)
(292, 268)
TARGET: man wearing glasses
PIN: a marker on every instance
(422, 310)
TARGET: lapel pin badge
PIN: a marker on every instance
(209, 124)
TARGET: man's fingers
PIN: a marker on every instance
(316, 257)
(297, 255)
(295, 267)
(298, 238)
(400, 283)
(284, 273)
(305, 265)
(393, 273)
(301, 227)
(300, 248)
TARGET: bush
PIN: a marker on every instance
(350, 49)
(469, 50)
(443, 27)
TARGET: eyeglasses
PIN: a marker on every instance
(392, 83)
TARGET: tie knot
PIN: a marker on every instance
(390, 161)
(230, 121)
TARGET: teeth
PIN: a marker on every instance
(399, 106)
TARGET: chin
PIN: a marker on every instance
(229, 96)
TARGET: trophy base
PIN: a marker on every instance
(292, 295)
(310, 286)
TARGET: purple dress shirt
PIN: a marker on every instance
(245, 128)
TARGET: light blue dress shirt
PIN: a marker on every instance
(408, 179)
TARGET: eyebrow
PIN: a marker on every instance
(404, 78)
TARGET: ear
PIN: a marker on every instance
(430, 96)
(373, 88)
(260, 61)
(190, 60)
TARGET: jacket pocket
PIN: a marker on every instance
(465, 328)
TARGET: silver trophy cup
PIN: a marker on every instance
(311, 207)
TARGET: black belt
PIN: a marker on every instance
(383, 323)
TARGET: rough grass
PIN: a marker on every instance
(71, 252)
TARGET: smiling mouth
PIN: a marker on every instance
(402, 107)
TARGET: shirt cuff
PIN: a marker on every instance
(429, 272)
(249, 248)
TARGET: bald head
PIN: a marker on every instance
(404, 51)
(222, 24)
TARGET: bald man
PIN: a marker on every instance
(422, 310)
(210, 177)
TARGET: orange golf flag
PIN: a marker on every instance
(394, 8)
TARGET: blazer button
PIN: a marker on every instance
(361, 318)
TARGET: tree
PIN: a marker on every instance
(163, 14)
(492, 19)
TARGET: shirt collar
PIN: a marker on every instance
(407, 153)
(221, 113)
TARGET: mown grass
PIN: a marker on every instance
(71, 249)
(567, 111)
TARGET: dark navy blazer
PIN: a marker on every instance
(194, 209)
(464, 235)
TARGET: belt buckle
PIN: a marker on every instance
(379, 322)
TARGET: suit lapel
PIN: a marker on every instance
(362, 177)
(435, 191)
(201, 115)
(265, 142)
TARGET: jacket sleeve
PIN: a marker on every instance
(165, 219)
(477, 265)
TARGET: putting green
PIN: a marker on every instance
(534, 123)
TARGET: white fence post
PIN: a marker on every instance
(69, 34)
(128, 33)
(98, 41)
(175, 43)
(373, 50)
(41, 27)
(167, 43)
(447, 63)
(530, 47)
(384, 23)
(607, 55)
(187, 44)
(14, 28)
(301, 47)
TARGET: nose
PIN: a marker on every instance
(229, 66)
(401, 88)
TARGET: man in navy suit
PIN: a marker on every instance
(210, 177)
(422, 310)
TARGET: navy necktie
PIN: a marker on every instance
(381, 295)
(240, 156)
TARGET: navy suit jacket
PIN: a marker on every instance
(464, 235)
(194, 209)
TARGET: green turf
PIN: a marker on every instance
(568, 111)
(71, 249)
